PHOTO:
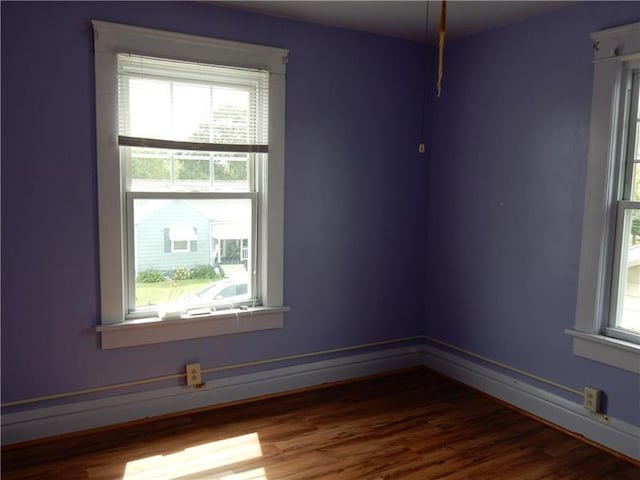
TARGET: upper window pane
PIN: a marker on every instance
(166, 170)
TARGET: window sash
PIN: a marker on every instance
(212, 76)
(618, 289)
(133, 313)
(622, 334)
(628, 152)
(255, 166)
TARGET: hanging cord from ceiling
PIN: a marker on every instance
(443, 32)
(421, 145)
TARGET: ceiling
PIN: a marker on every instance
(403, 19)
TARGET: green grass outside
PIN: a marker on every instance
(167, 291)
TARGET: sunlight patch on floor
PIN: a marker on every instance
(256, 474)
(210, 457)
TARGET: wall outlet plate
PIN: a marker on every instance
(592, 398)
(194, 377)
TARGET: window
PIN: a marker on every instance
(177, 238)
(607, 327)
(624, 319)
(198, 133)
(179, 246)
(190, 136)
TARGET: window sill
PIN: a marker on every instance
(614, 352)
(155, 330)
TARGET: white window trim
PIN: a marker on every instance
(612, 48)
(110, 39)
(143, 332)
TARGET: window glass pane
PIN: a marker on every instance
(189, 254)
(635, 183)
(628, 316)
(180, 245)
(151, 165)
(637, 149)
(164, 170)
(231, 168)
(234, 120)
(191, 112)
(151, 108)
(193, 166)
(145, 108)
(634, 135)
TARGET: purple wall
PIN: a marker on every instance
(354, 183)
(506, 188)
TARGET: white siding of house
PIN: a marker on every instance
(150, 241)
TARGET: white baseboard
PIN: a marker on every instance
(87, 414)
(612, 433)
(83, 415)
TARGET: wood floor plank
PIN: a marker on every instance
(414, 425)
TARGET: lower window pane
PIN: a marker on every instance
(192, 256)
(628, 316)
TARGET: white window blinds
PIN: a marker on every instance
(191, 106)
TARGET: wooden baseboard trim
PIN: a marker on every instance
(561, 429)
(185, 413)
(66, 421)
(555, 412)
(552, 425)
(610, 435)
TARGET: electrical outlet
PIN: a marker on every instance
(194, 377)
(592, 397)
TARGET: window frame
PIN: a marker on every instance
(615, 51)
(109, 40)
(630, 91)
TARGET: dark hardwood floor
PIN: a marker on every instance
(410, 425)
